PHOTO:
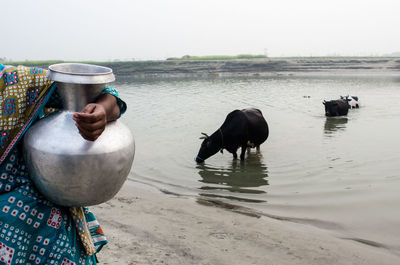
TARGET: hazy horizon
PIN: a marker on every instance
(155, 30)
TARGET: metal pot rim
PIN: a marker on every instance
(78, 73)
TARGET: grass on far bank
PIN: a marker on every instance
(218, 57)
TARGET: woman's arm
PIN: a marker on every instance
(92, 121)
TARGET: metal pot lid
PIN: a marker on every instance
(78, 73)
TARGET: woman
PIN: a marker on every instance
(32, 229)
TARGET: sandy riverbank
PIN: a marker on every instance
(151, 228)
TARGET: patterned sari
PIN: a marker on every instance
(33, 230)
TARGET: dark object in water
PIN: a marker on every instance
(241, 128)
(338, 107)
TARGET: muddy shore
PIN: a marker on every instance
(146, 228)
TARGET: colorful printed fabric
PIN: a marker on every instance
(79, 219)
(32, 229)
(97, 235)
(22, 93)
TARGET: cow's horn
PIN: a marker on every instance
(205, 136)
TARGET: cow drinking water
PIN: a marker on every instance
(242, 128)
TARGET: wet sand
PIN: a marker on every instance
(145, 227)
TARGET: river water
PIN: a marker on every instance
(339, 174)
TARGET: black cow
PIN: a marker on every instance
(241, 128)
(338, 107)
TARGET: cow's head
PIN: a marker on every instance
(352, 101)
(210, 146)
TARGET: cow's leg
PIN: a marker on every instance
(243, 152)
(258, 148)
(234, 155)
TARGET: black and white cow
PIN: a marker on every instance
(353, 101)
(245, 128)
(338, 107)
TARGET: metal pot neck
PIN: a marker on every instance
(75, 97)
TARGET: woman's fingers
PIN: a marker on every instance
(91, 113)
(91, 122)
(90, 135)
(101, 124)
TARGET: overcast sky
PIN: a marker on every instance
(158, 29)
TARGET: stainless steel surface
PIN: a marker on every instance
(77, 73)
(69, 170)
(75, 96)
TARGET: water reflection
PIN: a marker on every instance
(333, 124)
(237, 177)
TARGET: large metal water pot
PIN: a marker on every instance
(67, 169)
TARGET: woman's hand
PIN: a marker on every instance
(91, 122)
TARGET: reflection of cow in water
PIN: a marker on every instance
(334, 124)
(241, 128)
(235, 179)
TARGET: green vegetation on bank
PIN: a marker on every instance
(218, 57)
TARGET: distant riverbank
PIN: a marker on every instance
(247, 67)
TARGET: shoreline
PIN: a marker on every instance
(145, 227)
(247, 67)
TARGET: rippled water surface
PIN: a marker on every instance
(340, 174)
